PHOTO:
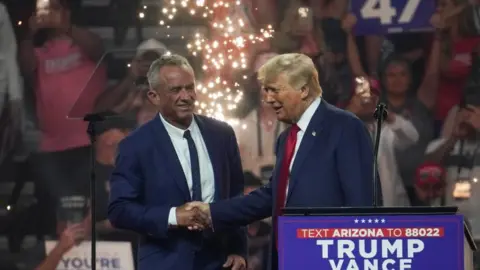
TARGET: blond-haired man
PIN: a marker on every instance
(324, 159)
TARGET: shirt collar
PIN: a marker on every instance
(308, 114)
(175, 131)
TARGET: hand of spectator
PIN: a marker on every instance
(459, 129)
(348, 22)
(193, 215)
(362, 106)
(71, 236)
(473, 117)
(235, 262)
(446, 15)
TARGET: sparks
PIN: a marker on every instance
(225, 53)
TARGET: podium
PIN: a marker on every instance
(378, 238)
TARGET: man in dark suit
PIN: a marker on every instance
(176, 158)
(324, 159)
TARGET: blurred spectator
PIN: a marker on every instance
(397, 133)
(57, 59)
(129, 95)
(328, 16)
(261, 13)
(336, 83)
(297, 32)
(455, 60)
(258, 232)
(260, 128)
(11, 88)
(68, 237)
(458, 153)
(332, 63)
(414, 48)
(395, 82)
(430, 183)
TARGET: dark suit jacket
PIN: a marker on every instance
(333, 168)
(148, 180)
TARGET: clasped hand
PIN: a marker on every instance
(194, 216)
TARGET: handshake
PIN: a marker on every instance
(194, 215)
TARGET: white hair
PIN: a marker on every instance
(153, 74)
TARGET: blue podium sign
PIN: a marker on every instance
(392, 16)
(371, 242)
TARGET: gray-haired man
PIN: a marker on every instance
(176, 158)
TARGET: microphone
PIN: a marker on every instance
(381, 110)
(380, 115)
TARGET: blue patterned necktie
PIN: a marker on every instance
(195, 165)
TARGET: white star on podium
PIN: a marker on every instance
(363, 220)
(383, 220)
(376, 220)
(369, 221)
(356, 220)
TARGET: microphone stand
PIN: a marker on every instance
(380, 115)
(93, 119)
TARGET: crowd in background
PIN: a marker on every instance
(429, 80)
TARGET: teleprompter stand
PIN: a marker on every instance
(83, 110)
(93, 119)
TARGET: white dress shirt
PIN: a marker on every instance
(302, 125)
(206, 169)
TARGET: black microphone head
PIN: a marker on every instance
(381, 111)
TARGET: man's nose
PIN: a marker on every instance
(185, 94)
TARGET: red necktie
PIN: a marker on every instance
(285, 173)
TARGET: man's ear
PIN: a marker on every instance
(305, 92)
(153, 97)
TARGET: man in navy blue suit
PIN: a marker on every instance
(324, 159)
(176, 158)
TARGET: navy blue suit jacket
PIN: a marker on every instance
(332, 168)
(148, 180)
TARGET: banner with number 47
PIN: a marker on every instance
(392, 16)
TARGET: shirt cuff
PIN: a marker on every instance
(172, 217)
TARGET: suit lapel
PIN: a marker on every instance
(313, 133)
(165, 146)
(211, 141)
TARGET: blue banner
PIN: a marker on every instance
(371, 242)
(392, 16)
